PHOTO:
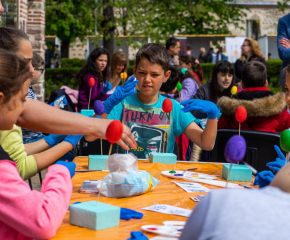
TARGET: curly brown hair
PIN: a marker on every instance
(255, 48)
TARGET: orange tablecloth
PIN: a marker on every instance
(165, 193)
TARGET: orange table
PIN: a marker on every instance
(165, 193)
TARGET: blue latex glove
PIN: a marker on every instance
(71, 166)
(120, 93)
(280, 161)
(53, 139)
(73, 139)
(107, 87)
(127, 214)
(204, 106)
(264, 178)
(137, 235)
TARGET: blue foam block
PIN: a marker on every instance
(238, 173)
(98, 162)
(167, 158)
(95, 217)
(88, 113)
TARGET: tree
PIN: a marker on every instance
(69, 20)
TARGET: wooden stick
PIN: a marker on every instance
(239, 128)
(229, 175)
(286, 158)
(89, 99)
(179, 97)
(101, 146)
(165, 133)
(110, 150)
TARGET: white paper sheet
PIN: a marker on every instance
(167, 209)
(192, 187)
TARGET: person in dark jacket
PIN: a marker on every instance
(265, 111)
(202, 58)
(251, 51)
(283, 44)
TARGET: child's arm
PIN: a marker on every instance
(203, 138)
(34, 214)
(48, 157)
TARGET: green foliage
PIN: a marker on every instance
(273, 71)
(283, 4)
(57, 77)
(207, 71)
(69, 19)
(72, 62)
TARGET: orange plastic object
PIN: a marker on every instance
(123, 75)
(166, 192)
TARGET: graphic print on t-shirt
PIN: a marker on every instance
(147, 127)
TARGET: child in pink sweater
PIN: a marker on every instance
(27, 214)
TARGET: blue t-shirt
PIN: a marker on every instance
(147, 124)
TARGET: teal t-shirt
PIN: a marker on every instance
(147, 124)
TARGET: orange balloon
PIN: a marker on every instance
(241, 114)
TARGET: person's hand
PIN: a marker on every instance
(284, 42)
(275, 166)
(71, 166)
(53, 139)
(99, 128)
(120, 93)
(204, 106)
(239, 85)
(107, 87)
(127, 214)
(264, 178)
(73, 139)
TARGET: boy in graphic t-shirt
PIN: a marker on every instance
(142, 111)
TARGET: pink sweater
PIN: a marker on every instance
(27, 214)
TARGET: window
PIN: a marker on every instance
(253, 28)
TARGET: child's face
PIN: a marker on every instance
(10, 111)
(224, 80)
(150, 76)
(36, 75)
(287, 90)
(101, 62)
(120, 67)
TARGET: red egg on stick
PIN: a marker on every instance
(241, 116)
(167, 108)
(92, 82)
(113, 134)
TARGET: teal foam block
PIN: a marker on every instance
(167, 158)
(95, 217)
(238, 173)
(88, 113)
(98, 162)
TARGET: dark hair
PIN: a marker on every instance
(187, 74)
(154, 53)
(14, 71)
(172, 81)
(37, 60)
(171, 42)
(222, 66)
(56, 45)
(186, 58)
(254, 74)
(10, 38)
(91, 67)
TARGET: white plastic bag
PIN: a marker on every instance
(125, 180)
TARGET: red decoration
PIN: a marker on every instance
(167, 105)
(241, 114)
(114, 131)
(92, 82)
